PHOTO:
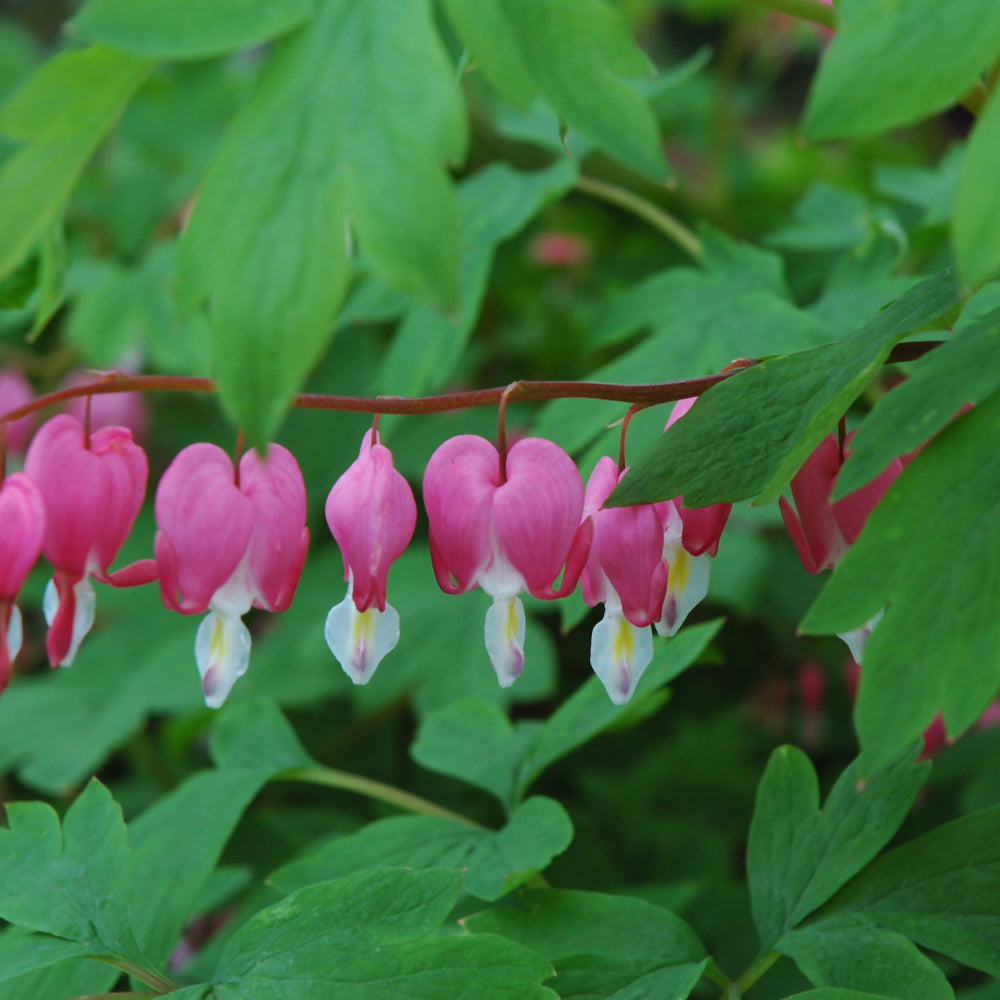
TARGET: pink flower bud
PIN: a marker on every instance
(507, 536)
(227, 547)
(371, 513)
(22, 528)
(92, 492)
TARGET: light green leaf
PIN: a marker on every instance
(601, 945)
(72, 978)
(72, 881)
(858, 956)
(58, 117)
(965, 369)
(928, 551)
(748, 436)
(308, 160)
(575, 53)
(869, 81)
(369, 935)
(254, 736)
(977, 205)
(827, 218)
(798, 855)
(166, 29)
(22, 952)
(495, 862)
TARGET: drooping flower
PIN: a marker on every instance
(371, 513)
(505, 533)
(22, 528)
(690, 538)
(92, 491)
(625, 571)
(229, 541)
(16, 391)
(823, 529)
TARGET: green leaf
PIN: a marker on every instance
(72, 978)
(826, 218)
(496, 203)
(601, 945)
(857, 956)
(869, 82)
(942, 890)
(798, 856)
(748, 436)
(977, 205)
(369, 935)
(255, 736)
(575, 53)
(965, 369)
(22, 952)
(72, 881)
(307, 160)
(58, 117)
(176, 844)
(939, 638)
(832, 993)
(495, 862)
(165, 29)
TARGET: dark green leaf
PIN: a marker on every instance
(369, 935)
(870, 82)
(495, 861)
(603, 946)
(832, 993)
(268, 239)
(966, 369)
(928, 551)
(165, 29)
(977, 205)
(22, 952)
(575, 53)
(748, 436)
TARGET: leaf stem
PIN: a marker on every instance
(127, 995)
(755, 971)
(810, 10)
(161, 984)
(344, 780)
(667, 224)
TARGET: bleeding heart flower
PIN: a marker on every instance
(625, 571)
(16, 391)
(22, 528)
(229, 541)
(371, 513)
(92, 491)
(505, 532)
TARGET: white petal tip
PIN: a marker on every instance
(361, 639)
(222, 652)
(505, 639)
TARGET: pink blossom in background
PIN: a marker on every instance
(226, 547)
(109, 409)
(371, 514)
(505, 536)
(559, 250)
(16, 391)
(92, 491)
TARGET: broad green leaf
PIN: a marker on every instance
(941, 890)
(254, 736)
(495, 861)
(798, 855)
(58, 117)
(601, 945)
(856, 955)
(307, 161)
(72, 978)
(827, 218)
(928, 551)
(74, 880)
(977, 205)
(748, 436)
(166, 29)
(578, 54)
(19, 52)
(869, 82)
(965, 369)
(370, 935)
(22, 952)
(833, 993)
(176, 844)
(496, 203)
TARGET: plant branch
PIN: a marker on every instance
(345, 781)
(161, 984)
(644, 209)
(810, 10)
(752, 974)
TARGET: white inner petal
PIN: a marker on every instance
(619, 653)
(360, 639)
(15, 634)
(222, 652)
(83, 613)
(857, 638)
(505, 638)
(687, 585)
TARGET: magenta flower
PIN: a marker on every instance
(690, 538)
(92, 491)
(371, 513)
(821, 529)
(22, 529)
(15, 391)
(625, 571)
(227, 542)
(505, 534)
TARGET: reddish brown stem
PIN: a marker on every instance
(506, 395)
(632, 411)
(236, 459)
